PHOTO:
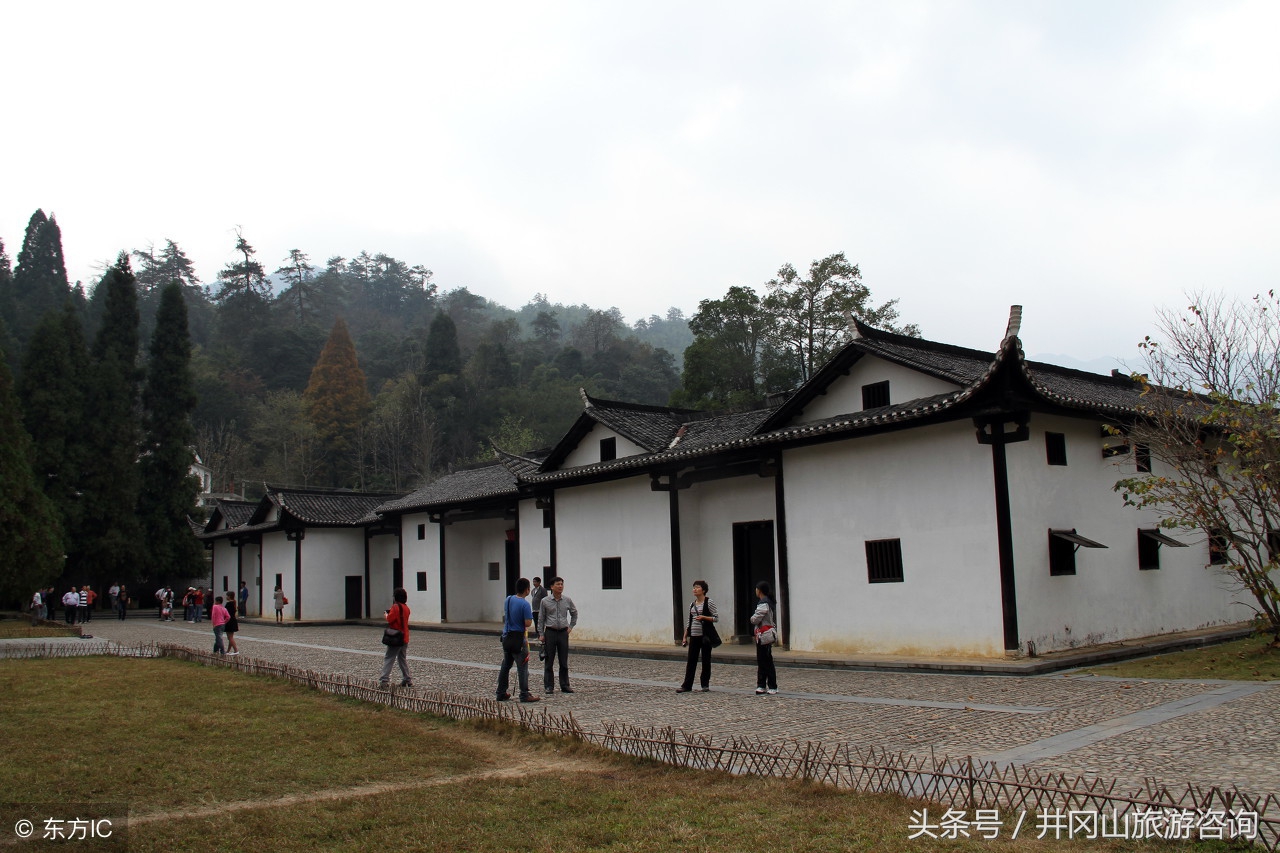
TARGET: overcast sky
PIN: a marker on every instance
(1086, 160)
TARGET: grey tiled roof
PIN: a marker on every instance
(459, 487)
(651, 427)
(324, 508)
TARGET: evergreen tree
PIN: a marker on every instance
(8, 308)
(337, 400)
(32, 552)
(40, 279)
(109, 544)
(53, 389)
(302, 296)
(168, 494)
(442, 356)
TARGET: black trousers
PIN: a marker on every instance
(557, 642)
(766, 674)
(698, 647)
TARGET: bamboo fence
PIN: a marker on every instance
(960, 784)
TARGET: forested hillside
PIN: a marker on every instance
(442, 370)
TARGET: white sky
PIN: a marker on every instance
(1089, 160)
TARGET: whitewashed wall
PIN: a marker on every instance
(930, 487)
(420, 555)
(1108, 598)
(329, 554)
(619, 519)
(845, 395)
(588, 450)
(383, 550)
(708, 512)
(535, 543)
(469, 548)
(277, 559)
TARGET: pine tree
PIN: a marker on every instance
(52, 389)
(40, 279)
(442, 354)
(8, 308)
(32, 552)
(337, 399)
(109, 544)
(168, 494)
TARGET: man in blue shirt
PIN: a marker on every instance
(517, 617)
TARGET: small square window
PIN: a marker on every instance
(884, 561)
(422, 581)
(495, 572)
(422, 531)
(1055, 445)
(875, 395)
(608, 449)
(1142, 458)
(611, 573)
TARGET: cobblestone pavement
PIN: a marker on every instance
(1206, 732)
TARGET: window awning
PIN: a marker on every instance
(1163, 539)
(1076, 539)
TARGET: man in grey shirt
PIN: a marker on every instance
(536, 595)
(558, 617)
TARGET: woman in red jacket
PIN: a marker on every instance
(398, 618)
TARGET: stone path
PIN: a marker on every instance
(1207, 732)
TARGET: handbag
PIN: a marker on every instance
(766, 635)
(709, 629)
(392, 636)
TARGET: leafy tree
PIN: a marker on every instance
(598, 331)
(54, 391)
(725, 364)
(107, 549)
(403, 434)
(32, 553)
(286, 441)
(168, 494)
(337, 399)
(812, 315)
(1211, 406)
(244, 277)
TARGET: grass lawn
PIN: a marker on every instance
(1250, 659)
(11, 629)
(211, 759)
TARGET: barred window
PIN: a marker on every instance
(884, 561)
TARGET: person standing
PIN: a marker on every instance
(536, 594)
(71, 603)
(82, 608)
(37, 608)
(232, 627)
(516, 620)
(188, 602)
(122, 602)
(765, 622)
(558, 617)
(218, 617)
(698, 635)
(198, 599)
(278, 600)
(91, 599)
(114, 592)
(243, 595)
(398, 618)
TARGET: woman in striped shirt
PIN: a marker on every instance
(698, 634)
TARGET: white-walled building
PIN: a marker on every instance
(326, 550)
(912, 498)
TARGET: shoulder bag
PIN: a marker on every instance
(392, 636)
(709, 631)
